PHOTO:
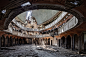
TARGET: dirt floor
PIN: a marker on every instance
(38, 51)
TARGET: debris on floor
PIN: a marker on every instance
(38, 51)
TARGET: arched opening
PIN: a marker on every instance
(68, 42)
(29, 41)
(11, 41)
(17, 41)
(46, 41)
(7, 41)
(20, 41)
(76, 42)
(63, 41)
(2, 41)
(49, 41)
(14, 41)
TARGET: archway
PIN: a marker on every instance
(7, 41)
(14, 41)
(76, 42)
(63, 41)
(11, 41)
(68, 42)
(49, 41)
(2, 41)
(20, 41)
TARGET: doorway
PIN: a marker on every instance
(51, 42)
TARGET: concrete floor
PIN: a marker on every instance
(38, 51)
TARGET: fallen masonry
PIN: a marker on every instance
(38, 51)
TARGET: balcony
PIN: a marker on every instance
(68, 25)
(21, 34)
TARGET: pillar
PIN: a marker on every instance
(32, 41)
(18, 41)
(13, 41)
(60, 42)
(73, 43)
(79, 43)
(3, 41)
(0, 42)
(66, 43)
(21, 41)
(6, 40)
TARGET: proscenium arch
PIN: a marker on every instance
(19, 10)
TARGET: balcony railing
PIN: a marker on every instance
(22, 27)
(10, 30)
(56, 21)
(70, 24)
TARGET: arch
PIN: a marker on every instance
(17, 41)
(20, 41)
(3, 41)
(11, 41)
(46, 41)
(49, 41)
(19, 10)
(7, 41)
(63, 41)
(14, 41)
(76, 41)
(68, 42)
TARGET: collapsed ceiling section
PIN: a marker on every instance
(41, 15)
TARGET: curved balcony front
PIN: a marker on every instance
(10, 30)
(68, 25)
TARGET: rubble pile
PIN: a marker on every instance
(38, 51)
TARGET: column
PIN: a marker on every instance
(66, 43)
(73, 43)
(13, 41)
(60, 42)
(18, 41)
(3, 41)
(21, 41)
(6, 42)
(79, 44)
(0, 42)
(32, 41)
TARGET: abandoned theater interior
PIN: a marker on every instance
(42, 28)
